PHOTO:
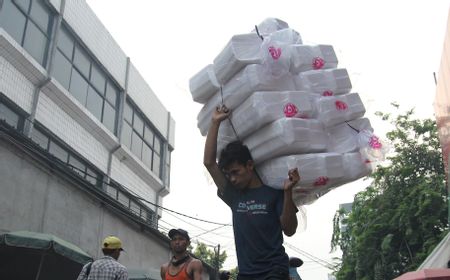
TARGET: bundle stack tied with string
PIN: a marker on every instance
(292, 106)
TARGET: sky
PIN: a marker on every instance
(390, 49)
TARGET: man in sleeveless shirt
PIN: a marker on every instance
(261, 214)
(182, 266)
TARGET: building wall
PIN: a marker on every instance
(24, 82)
(39, 199)
(442, 99)
(441, 254)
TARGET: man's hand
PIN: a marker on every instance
(293, 179)
(220, 114)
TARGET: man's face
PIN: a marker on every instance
(179, 244)
(239, 175)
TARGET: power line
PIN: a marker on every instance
(315, 259)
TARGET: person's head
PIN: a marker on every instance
(112, 246)
(179, 241)
(224, 275)
(236, 162)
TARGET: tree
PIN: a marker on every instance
(210, 256)
(399, 219)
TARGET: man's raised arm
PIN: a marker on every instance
(210, 154)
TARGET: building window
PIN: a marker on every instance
(132, 204)
(142, 140)
(30, 23)
(78, 72)
(11, 116)
(67, 156)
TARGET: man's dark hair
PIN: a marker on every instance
(108, 252)
(224, 275)
(234, 152)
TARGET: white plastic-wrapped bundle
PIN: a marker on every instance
(286, 35)
(332, 110)
(271, 25)
(287, 136)
(240, 51)
(326, 82)
(353, 168)
(343, 138)
(250, 79)
(305, 58)
(204, 84)
(320, 169)
(261, 108)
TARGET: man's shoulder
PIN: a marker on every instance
(195, 264)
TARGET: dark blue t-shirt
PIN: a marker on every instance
(257, 228)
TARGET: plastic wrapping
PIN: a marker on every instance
(240, 51)
(287, 136)
(261, 108)
(332, 110)
(305, 58)
(372, 148)
(326, 82)
(250, 79)
(204, 84)
(275, 57)
(270, 25)
(353, 169)
(320, 169)
(343, 138)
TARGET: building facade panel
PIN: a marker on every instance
(41, 200)
(146, 100)
(22, 199)
(15, 86)
(126, 176)
(71, 132)
(93, 33)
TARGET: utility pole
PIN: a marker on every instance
(217, 259)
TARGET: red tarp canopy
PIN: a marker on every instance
(430, 273)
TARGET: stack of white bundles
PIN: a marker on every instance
(326, 82)
(332, 110)
(204, 84)
(304, 58)
(250, 79)
(261, 108)
(287, 136)
(292, 107)
(343, 138)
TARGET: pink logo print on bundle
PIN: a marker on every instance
(275, 52)
(327, 93)
(321, 181)
(318, 63)
(290, 110)
(341, 106)
(374, 142)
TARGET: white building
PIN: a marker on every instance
(84, 141)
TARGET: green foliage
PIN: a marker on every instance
(209, 256)
(399, 219)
